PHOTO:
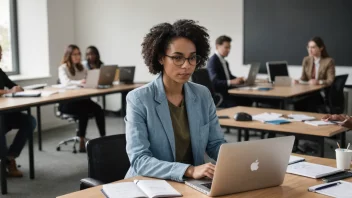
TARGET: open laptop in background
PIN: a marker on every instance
(127, 74)
(101, 78)
(246, 166)
(252, 75)
(276, 68)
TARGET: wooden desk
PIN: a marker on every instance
(300, 129)
(293, 186)
(18, 104)
(285, 95)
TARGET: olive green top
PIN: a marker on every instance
(182, 135)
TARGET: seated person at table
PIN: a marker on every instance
(221, 76)
(346, 121)
(92, 59)
(171, 122)
(72, 72)
(23, 122)
(317, 69)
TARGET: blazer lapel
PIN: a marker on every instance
(310, 67)
(193, 122)
(164, 113)
(322, 66)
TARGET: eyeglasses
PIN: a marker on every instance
(180, 60)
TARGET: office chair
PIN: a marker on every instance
(70, 118)
(201, 76)
(335, 98)
(107, 160)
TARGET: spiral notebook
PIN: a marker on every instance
(311, 170)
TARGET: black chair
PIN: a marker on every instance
(335, 98)
(201, 76)
(107, 160)
(70, 118)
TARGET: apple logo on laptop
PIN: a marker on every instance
(255, 165)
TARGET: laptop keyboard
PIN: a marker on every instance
(208, 185)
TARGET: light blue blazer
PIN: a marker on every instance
(150, 136)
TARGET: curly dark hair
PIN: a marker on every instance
(158, 39)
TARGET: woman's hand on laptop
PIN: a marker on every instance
(198, 172)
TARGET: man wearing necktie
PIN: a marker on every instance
(221, 76)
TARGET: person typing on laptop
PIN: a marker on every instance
(171, 122)
(16, 120)
(221, 76)
(72, 72)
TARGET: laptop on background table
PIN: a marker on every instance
(246, 166)
(252, 75)
(101, 78)
(126, 74)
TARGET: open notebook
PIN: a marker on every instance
(334, 189)
(140, 188)
(311, 170)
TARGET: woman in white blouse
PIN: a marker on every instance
(72, 72)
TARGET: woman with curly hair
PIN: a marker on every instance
(170, 122)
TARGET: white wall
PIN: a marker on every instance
(117, 28)
(45, 28)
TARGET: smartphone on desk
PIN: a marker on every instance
(337, 177)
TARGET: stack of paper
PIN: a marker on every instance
(264, 117)
(311, 170)
(300, 117)
(319, 123)
(333, 189)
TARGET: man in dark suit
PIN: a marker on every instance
(221, 76)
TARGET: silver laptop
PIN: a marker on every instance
(252, 75)
(247, 166)
(101, 78)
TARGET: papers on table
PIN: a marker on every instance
(333, 189)
(319, 123)
(300, 117)
(62, 86)
(311, 170)
(263, 117)
(31, 93)
(295, 159)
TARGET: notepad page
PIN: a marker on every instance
(318, 123)
(157, 188)
(311, 170)
(342, 190)
(123, 190)
(263, 117)
(294, 159)
(300, 117)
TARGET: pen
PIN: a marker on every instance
(327, 186)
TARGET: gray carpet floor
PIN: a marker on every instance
(58, 173)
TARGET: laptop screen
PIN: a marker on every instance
(277, 69)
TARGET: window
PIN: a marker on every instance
(8, 37)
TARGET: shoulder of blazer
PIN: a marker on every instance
(328, 61)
